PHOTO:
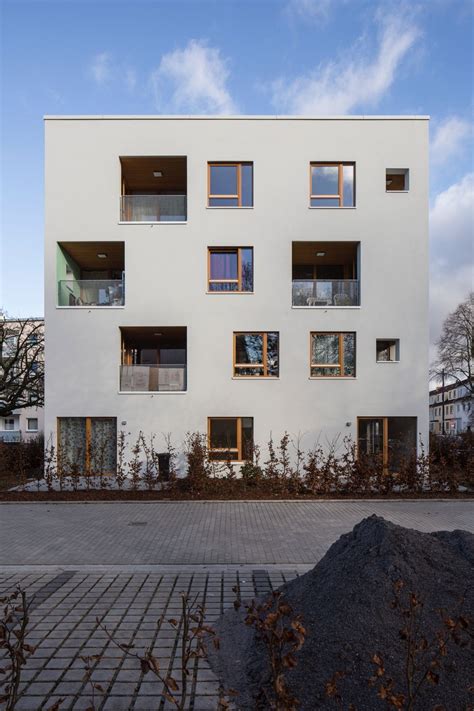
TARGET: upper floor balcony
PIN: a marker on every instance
(153, 359)
(91, 274)
(325, 274)
(154, 189)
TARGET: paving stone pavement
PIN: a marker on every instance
(127, 564)
(201, 533)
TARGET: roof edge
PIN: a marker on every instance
(243, 117)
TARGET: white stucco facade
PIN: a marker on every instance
(166, 272)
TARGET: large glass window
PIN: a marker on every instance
(256, 354)
(333, 355)
(230, 269)
(390, 439)
(332, 184)
(87, 444)
(230, 184)
(230, 438)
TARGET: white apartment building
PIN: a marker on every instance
(451, 409)
(238, 276)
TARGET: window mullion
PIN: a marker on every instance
(239, 183)
(88, 443)
(340, 184)
(239, 438)
(265, 354)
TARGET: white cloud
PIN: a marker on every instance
(451, 232)
(130, 79)
(338, 87)
(101, 68)
(315, 10)
(195, 78)
(449, 138)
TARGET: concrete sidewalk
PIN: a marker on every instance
(201, 533)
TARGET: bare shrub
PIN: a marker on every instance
(13, 645)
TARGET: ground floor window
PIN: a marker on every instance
(230, 438)
(333, 355)
(87, 445)
(392, 439)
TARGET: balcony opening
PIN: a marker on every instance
(153, 359)
(91, 273)
(154, 189)
(326, 274)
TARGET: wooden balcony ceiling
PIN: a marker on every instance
(85, 254)
(335, 252)
(137, 174)
(146, 336)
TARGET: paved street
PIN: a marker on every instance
(127, 564)
(201, 533)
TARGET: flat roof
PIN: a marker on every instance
(270, 117)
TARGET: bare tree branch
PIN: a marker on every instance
(21, 364)
(455, 347)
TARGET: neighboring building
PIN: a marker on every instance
(451, 409)
(236, 275)
(27, 422)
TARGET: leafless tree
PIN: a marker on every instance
(21, 364)
(455, 357)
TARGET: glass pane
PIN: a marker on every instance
(401, 440)
(325, 372)
(247, 184)
(324, 202)
(223, 180)
(223, 202)
(349, 354)
(229, 286)
(224, 265)
(370, 440)
(247, 437)
(103, 446)
(272, 354)
(246, 256)
(348, 188)
(248, 372)
(325, 180)
(325, 348)
(249, 348)
(72, 444)
(224, 434)
(231, 455)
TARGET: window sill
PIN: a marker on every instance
(238, 293)
(387, 361)
(255, 377)
(89, 308)
(152, 392)
(388, 192)
(31, 431)
(332, 308)
(155, 222)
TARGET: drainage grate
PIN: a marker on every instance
(137, 523)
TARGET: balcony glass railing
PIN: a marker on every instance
(153, 208)
(326, 292)
(91, 292)
(152, 378)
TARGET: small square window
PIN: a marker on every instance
(388, 350)
(256, 354)
(397, 180)
(230, 269)
(230, 184)
(333, 355)
(9, 423)
(332, 184)
(32, 424)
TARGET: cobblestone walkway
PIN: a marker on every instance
(201, 533)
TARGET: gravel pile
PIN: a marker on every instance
(345, 605)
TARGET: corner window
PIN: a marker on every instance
(230, 269)
(256, 354)
(230, 438)
(388, 350)
(332, 184)
(32, 424)
(396, 180)
(333, 355)
(230, 184)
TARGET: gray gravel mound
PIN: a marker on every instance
(345, 605)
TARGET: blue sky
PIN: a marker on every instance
(245, 56)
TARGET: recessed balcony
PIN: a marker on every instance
(91, 274)
(154, 189)
(153, 359)
(325, 274)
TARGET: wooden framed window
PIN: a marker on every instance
(230, 438)
(256, 354)
(230, 184)
(393, 439)
(332, 355)
(87, 444)
(332, 184)
(230, 269)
